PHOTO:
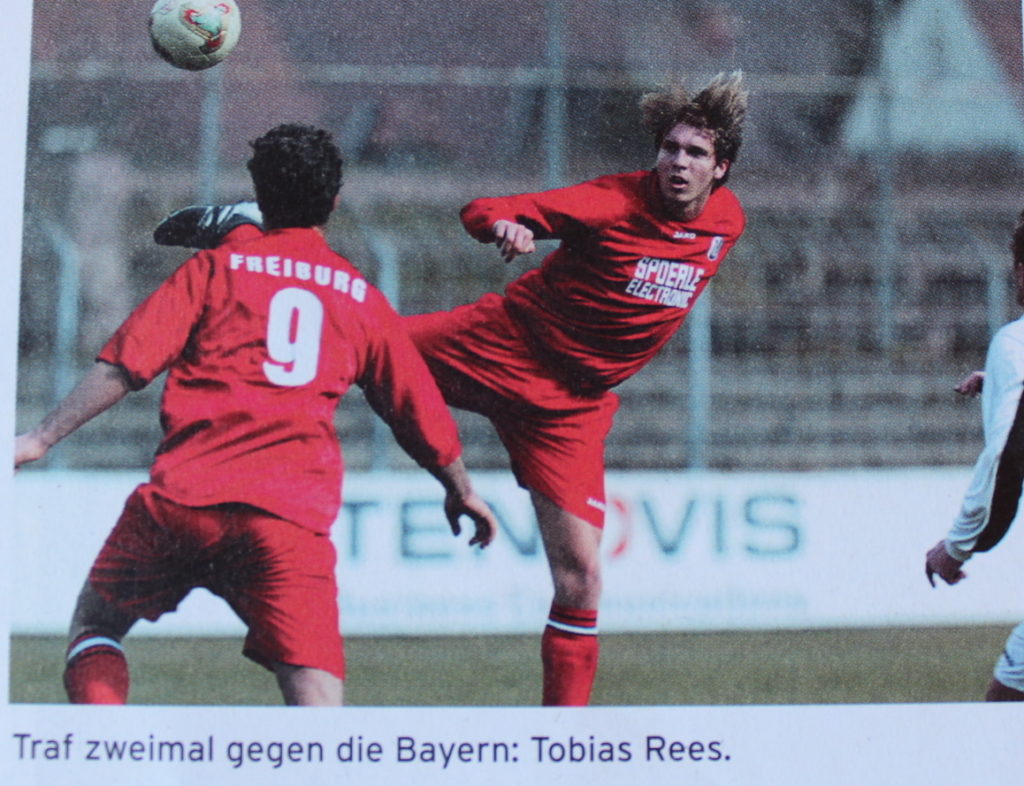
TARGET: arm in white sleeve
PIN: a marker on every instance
(991, 500)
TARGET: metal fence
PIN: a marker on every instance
(865, 286)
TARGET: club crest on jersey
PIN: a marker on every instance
(715, 249)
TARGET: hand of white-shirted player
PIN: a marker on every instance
(512, 239)
(972, 384)
(471, 505)
(938, 561)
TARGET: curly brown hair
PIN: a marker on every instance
(719, 109)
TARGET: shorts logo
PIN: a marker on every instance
(596, 503)
(715, 250)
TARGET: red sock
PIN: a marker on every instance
(96, 671)
(568, 650)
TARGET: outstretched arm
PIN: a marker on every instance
(461, 500)
(399, 387)
(102, 387)
(991, 501)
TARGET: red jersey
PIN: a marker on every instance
(261, 339)
(622, 280)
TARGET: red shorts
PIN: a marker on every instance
(555, 437)
(277, 576)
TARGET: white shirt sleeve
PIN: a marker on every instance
(1000, 399)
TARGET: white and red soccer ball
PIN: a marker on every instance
(194, 34)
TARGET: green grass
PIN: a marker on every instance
(775, 667)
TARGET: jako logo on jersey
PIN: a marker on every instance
(682, 234)
(715, 248)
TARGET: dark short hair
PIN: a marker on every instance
(296, 171)
(1017, 241)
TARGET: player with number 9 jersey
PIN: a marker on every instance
(261, 339)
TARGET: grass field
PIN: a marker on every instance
(777, 667)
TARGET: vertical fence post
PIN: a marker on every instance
(555, 111)
(388, 282)
(699, 389)
(67, 319)
(209, 133)
(886, 227)
(996, 289)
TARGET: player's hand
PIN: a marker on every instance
(471, 505)
(512, 239)
(972, 384)
(938, 561)
(28, 447)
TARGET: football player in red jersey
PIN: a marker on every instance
(540, 362)
(637, 249)
(260, 337)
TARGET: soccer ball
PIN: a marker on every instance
(194, 34)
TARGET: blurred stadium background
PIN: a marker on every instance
(880, 172)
